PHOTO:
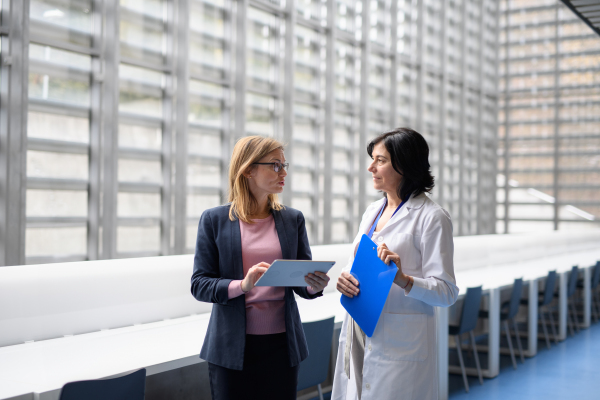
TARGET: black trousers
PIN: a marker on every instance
(266, 375)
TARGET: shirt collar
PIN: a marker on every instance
(416, 202)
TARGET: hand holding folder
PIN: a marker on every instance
(375, 279)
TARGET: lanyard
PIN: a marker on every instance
(370, 234)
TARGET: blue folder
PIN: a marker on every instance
(375, 280)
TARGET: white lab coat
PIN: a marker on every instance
(400, 360)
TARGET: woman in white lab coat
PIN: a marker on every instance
(399, 361)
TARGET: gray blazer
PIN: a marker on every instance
(218, 261)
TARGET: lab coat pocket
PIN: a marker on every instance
(405, 337)
(403, 244)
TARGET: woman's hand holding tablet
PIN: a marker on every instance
(254, 274)
(294, 273)
(317, 281)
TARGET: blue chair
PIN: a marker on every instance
(508, 312)
(571, 309)
(573, 319)
(595, 285)
(468, 322)
(544, 306)
(128, 387)
(313, 370)
(594, 289)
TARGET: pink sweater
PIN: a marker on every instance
(265, 306)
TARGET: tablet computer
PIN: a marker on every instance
(292, 272)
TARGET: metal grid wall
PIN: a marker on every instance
(62, 132)
(455, 99)
(549, 132)
(210, 104)
(133, 109)
(146, 125)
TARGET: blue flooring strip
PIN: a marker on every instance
(569, 370)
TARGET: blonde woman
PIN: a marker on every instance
(254, 342)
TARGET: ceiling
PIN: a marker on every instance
(587, 10)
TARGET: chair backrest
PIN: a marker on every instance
(573, 276)
(313, 370)
(470, 310)
(515, 298)
(128, 387)
(596, 276)
(549, 288)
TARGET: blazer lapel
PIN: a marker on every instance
(236, 249)
(285, 248)
(283, 239)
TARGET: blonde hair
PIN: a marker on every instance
(247, 151)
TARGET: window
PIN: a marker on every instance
(59, 161)
(550, 122)
(145, 107)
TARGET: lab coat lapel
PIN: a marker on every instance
(370, 218)
(236, 249)
(412, 203)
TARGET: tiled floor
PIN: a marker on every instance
(569, 370)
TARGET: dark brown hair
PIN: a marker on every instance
(410, 158)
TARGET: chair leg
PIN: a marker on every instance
(518, 335)
(545, 328)
(578, 300)
(462, 364)
(551, 315)
(595, 306)
(469, 352)
(320, 391)
(570, 322)
(594, 310)
(479, 374)
(575, 317)
(510, 346)
(593, 315)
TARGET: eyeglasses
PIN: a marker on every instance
(276, 165)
